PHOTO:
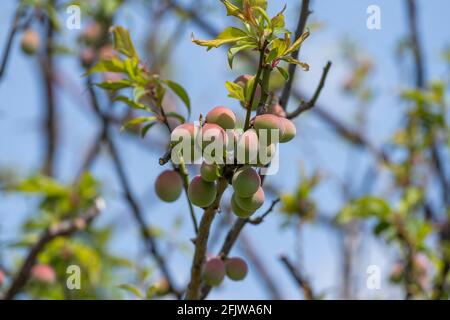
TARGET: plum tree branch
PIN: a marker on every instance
(343, 130)
(233, 235)
(299, 278)
(201, 242)
(63, 229)
(9, 41)
(311, 103)
(304, 13)
(46, 64)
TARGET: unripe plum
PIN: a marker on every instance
(266, 154)
(92, 32)
(246, 181)
(269, 122)
(238, 211)
(289, 130)
(222, 116)
(277, 110)
(247, 147)
(186, 134)
(2, 277)
(30, 41)
(43, 273)
(236, 268)
(214, 272)
(209, 172)
(202, 193)
(253, 202)
(213, 133)
(107, 52)
(87, 57)
(169, 186)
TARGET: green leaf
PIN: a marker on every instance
(235, 91)
(365, 207)
(138, 93)
(123, 43)
(289, 59)
(42, 184)
(284, 73)
(116, 85)
(180, 92)
(278, 20)
(176, 116)
(230, 34)
(263, 13)
(234, 50)
(146, 128)
(110, 65)
(131, 103)
(137, 121)
(132, 68)
(132, 289)
(294, 47)
(233, 10)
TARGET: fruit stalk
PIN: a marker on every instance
(255, 85)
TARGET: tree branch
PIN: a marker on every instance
(298, 277)
(50, 118)
(304, 13)
(201, 242)
(308, 105)
(63, 229)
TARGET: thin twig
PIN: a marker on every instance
(299, 278)
(63, 229)
(311, 103)
(304, 13)
(261, 218)
(50, 118)
(14, 28)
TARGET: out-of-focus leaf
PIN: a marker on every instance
(116, 85)
(123, 43)
(42, 184)
(110, 65)
(131, 103)
(137, 121)
(180, 92)
(364, 207)
(146, 128)
(132, 289)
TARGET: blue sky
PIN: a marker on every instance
(203, 74)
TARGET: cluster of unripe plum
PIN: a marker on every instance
(215, 269)
(233, 155)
